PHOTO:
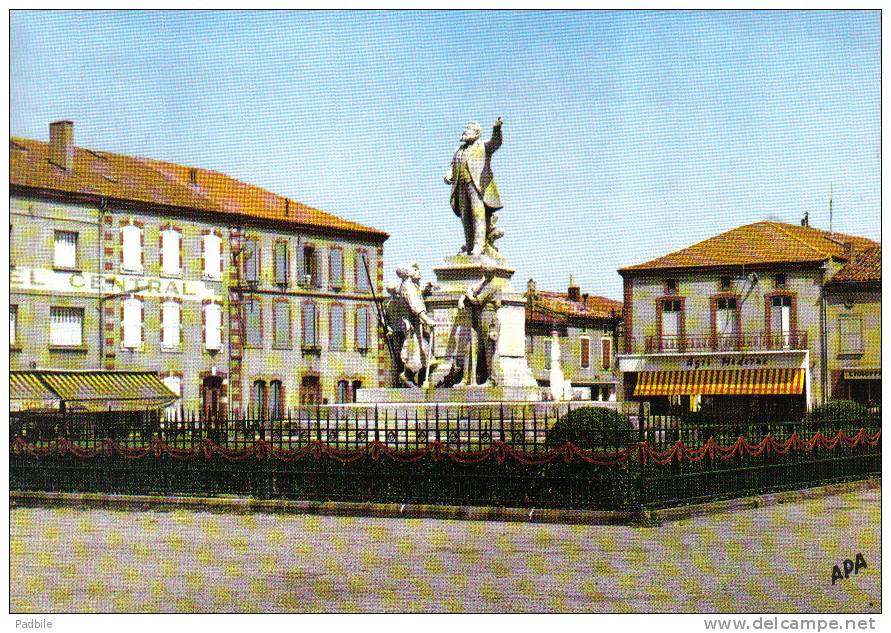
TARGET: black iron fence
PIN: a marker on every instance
(460, 455)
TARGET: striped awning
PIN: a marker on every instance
(720, 382)
(106, 390)
(27, 392)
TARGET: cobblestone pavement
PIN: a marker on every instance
(770, 559)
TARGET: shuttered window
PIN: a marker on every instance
(276, 400)
(336, 269)
(310, 334)
(251, 259)
(282, 324)
(363, 269)
(606, 353)
(132, 323)
(65, 250)
(212, 245)
(170, 252)
(281, 263)
(253, 322)
(585, 352)
(170, 324)
(213, 326)
(175, 384)
(337, 328)
(132, 248)
(66, 326)
(362, 328)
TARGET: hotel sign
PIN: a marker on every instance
(62, 282)
(739, 360)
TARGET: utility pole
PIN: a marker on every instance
(830, 209)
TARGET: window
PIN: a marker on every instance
(65, 250)
(175, 384)
(671, 325)
(671, 286)
(780, 280)
(308, 269)
(132, 323)
(585, 352)
(213, 326)
(337, 342)
(171, 256)
(357, 384)
(276, 400)
(547, 352)
(335, 275)
(258, 399)
(530, 344)
(725, 283)
(132, 248)
(850, 334)
(310, 331)
(253, 322)
(362, 328)
(281, 316)
(250, 258)
(606, 353)
(13, 325)
(781, 321)
(726, 322)
(66, 326)
(212, 245)
(280, 263)
(170, 325)
(363, 269)
(343, 391)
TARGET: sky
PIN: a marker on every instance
(627, 135)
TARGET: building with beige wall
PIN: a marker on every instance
(236, 296)
(586, 328)
(854, 325)
(736, 321)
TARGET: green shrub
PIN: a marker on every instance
(593, 428)
(838, 411)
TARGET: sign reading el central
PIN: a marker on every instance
(45, 280)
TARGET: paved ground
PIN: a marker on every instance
(771, 559)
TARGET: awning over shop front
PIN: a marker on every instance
(103, 390)
(28, 393)
(720, 382)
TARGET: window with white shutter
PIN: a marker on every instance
(363, 269)
(213, 326)
(362, 328)
(253, 322)
(170, 324)
(132, 248)
(65, 250)
(335, 275)
(170, 249)
(175, 384)
(310, 334)
(282, 324)
(66, 326)
(251, 259)
(337, 342)
(212, 245)
(132, 323)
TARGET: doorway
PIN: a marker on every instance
(310, 390)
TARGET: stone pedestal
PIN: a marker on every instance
(453, 333)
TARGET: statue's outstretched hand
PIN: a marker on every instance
(498, 122)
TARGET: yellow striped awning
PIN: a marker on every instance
(109, 390)
(720, 382)
(27, 392)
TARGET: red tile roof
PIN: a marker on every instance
(866, 267)
(759, 243)
(125, 178)
(557, 308)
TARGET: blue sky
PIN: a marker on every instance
(627, 134)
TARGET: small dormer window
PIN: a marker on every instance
(725, 283)
(671, 286)
(780, 280)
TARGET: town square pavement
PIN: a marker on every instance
(768, 559)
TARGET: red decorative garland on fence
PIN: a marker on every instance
(437, 451)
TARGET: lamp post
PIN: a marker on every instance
(236, 248)
(102, 300)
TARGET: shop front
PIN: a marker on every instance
(771, 385)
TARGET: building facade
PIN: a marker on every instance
(586, 328)
(736, 322)
(854, 322)
(237, 297)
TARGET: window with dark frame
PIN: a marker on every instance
(671, 286)
(276, 400)
(725, 283)
(258, 399)
(780, 280)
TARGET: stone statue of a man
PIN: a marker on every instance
(483, 300)
(417, 325)
(475, 196)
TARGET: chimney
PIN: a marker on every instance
(849, 251)
(585, 299)
(530, 287)
(804, 220)
(61, 146)
(573, 289)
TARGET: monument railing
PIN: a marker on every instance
(477, 458)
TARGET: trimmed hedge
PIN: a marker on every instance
(592, 428)
(839, 411)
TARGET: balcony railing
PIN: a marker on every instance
(741, 342)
